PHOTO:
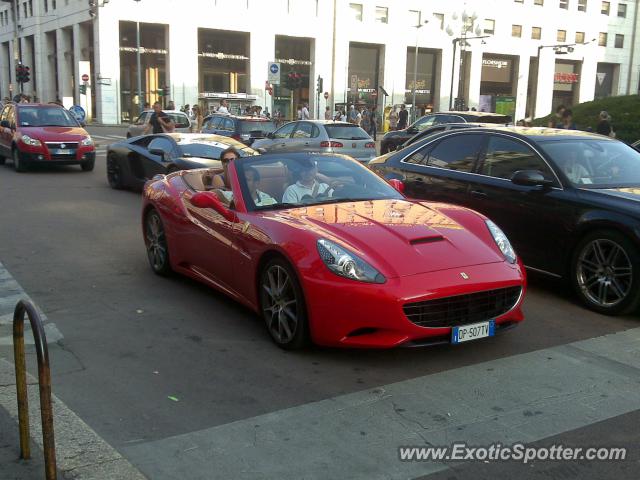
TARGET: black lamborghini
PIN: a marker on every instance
(132, 162)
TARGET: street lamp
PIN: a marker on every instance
(138, 67)
(415, 72)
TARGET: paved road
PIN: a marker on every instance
(131, 340)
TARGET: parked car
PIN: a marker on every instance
(33, 133)
(568, 200)
(394, 139)
(180, 120)
(320, 136)
(317, 266)
(132, 162)
(243, 129)
(443, 127)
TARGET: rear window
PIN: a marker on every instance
(249, 126)
(346, 132)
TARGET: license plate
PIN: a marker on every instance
(60, 151)
(474, 331)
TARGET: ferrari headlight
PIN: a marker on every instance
(502, 241)
(346, 264)
(27, 140)
(87, 142)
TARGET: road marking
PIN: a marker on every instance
(108, 137)
(523, 398)
(10, 293)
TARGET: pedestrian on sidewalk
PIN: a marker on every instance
(403, 118)
(159, 121)
(224, 107)
(373, 119)
(556, 120)
(604, 125)
(393, 119)
(327, 113)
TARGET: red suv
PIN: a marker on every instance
(33, 133)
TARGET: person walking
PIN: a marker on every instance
(604, 125)
(556, 120)
(159, 121)
(305, 111)
(373, 119)
(196, 122)
(365, 119)
(224, 107)
(353, 114)
(403, 118)
(393, 119)
(567, 120)
(327, 113)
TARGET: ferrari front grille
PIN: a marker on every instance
(462, 309)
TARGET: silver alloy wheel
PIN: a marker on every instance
(604, 272)
(156, 242)
(280, 304)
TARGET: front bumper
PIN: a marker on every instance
(355, 314)
(45, 157)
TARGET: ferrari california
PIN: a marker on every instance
(132, 162)
(326, 251)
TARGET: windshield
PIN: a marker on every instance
(45, 117)
(274, 182)
(179, 119)
(346, 132)
(209, 150)
(262, 128)
(592, 163)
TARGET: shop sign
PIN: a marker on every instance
(158, 51)
(293, 61)
(222, 56)
(496, 70)
(230, 96)
(565, 77)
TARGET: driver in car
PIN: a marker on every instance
(307, 186)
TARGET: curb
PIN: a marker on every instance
(81, 454)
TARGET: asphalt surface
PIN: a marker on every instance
(144, 358)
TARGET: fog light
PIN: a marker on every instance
(40, 157)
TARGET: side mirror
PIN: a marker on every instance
(157, 151)
(270, 135)
(397, 184)
(530, 178)
(5, 124)
(211, 200)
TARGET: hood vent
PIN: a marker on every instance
(431, 239)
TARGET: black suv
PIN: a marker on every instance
(243, 129)
(393, 140)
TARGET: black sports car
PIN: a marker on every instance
(568, 201)
(394, 139)
(132, 162)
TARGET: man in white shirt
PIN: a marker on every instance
(307, 186)
(223, 108)
(305, 112)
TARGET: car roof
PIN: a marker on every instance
(536, 133)
(473, 113)
(37, 105)
(204, 137)
(167, 111)
(240, 117)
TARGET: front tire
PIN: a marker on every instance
(155, 240)
(114, 173)
(605, 273)
(19, 165)
(282, 305)
(88, 165)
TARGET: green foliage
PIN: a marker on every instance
(624, 112)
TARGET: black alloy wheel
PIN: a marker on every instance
(114, 173)
(606, 273)
(156, 242)
(282, 305)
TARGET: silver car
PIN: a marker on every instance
(180, 120)
(319, 136)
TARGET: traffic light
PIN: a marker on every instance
(23, 73)
(93, 8)
(319, 84)
(165, 91)
(83, 89)
(26, 76)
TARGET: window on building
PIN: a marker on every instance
(579, 37)
(562, 36)
(619, 41)
(605, 8)
(24, 6)
(489, 26)
(356, 11)
(439, 17)
(382, 15)
(582, 5)
(516, 31)
(622, 10)
(564, 4)
(538, 2)
(53, 4)
(602, 39)
(415, 17)
(31, 8)
(536, 33)
(519, 1)
(46, 6)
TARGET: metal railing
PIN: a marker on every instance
(44, 380)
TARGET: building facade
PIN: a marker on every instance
(522, 57)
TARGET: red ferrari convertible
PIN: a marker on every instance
(327, 251)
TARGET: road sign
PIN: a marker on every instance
(85, 78)
(274, 73)
(326, 95)
(78, 112)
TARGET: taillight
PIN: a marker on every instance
(331, 144)
(235, 136)
(370, 145)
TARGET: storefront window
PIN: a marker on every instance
(606, 78)
(294, 55)
(364, 73)
(566, 83)
(425, 76)
(497, 85)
